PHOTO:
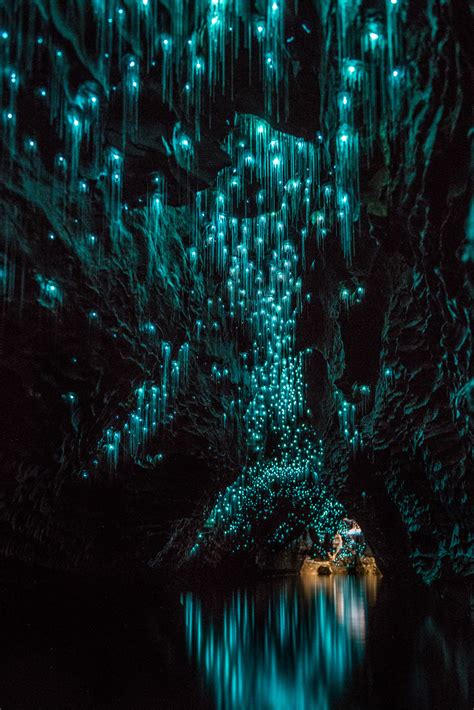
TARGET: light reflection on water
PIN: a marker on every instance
(318, 642)
(291, 644)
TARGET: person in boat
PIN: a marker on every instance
(336, 546)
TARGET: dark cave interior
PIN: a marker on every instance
(236, 274)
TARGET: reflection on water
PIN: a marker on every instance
(338, 643)
(291, 645)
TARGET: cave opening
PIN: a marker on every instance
(346, 552)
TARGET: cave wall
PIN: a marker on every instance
(410, 339)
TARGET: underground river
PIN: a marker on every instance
(303, 643)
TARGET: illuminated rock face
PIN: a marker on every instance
(234, 276)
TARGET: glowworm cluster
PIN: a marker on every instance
(250, 231)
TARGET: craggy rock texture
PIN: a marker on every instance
(409, 339)
(413, 475)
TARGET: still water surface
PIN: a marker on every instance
(313, 643)
(281, 646)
